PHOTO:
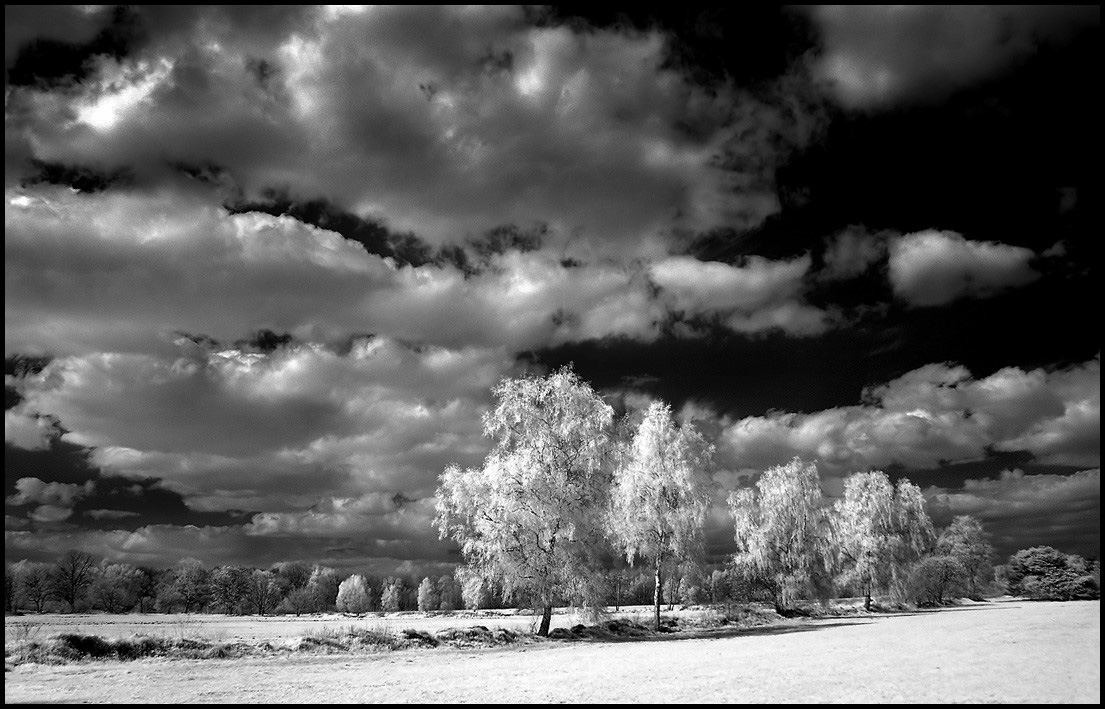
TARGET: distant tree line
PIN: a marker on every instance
(80, 583)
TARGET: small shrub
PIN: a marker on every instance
(138, 647)
(420, 637)
(374, 638)
(86, 645)
(22, 632)
(935, 579)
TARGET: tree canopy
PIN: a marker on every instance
(531, 517)
(781, 532)
(661, 494)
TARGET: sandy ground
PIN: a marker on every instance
(1008, 652)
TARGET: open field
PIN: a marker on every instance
(1011, 651)
(254, 628)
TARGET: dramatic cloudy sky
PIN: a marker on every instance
(264, 264)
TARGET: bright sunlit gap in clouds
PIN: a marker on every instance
(121, 91)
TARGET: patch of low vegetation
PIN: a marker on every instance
(66, 648)
(738, 617)
(23, 644)
(76, 647)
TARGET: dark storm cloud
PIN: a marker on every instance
(106, 502)
(165, 545)
(80, 178)
(61, 462)
(46, 47)
(1021, 510)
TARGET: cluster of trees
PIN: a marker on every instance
(78, 582)
(567, 492)
(571, 507)
(1049, 574)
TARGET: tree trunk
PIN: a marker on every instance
(656, 596)
(546, 620)
(867, 597)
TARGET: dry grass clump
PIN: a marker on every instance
(65, 648)
(478, 636)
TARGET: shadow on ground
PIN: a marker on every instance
(621, 631)
(672, 630)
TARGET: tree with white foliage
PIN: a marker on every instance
(781, 532)
(531, 518)
(965, 540)
(660, 495)
(353, 595)
(474, 590)
(864, 532)
(429, 598)
(915, 534)
(879, 531)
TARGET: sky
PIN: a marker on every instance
(264, 264)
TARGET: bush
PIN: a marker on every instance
(1045, 573)
(86, 645)
(935, 579)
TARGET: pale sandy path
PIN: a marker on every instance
(1010, 652)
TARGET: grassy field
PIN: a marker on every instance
(1010, 652)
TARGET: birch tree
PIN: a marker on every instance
(531, 516)
(865, 532)
(660, 495)
(429, 597)
(353, 595)
(879, 531)
(781, 531)
(916, 536)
